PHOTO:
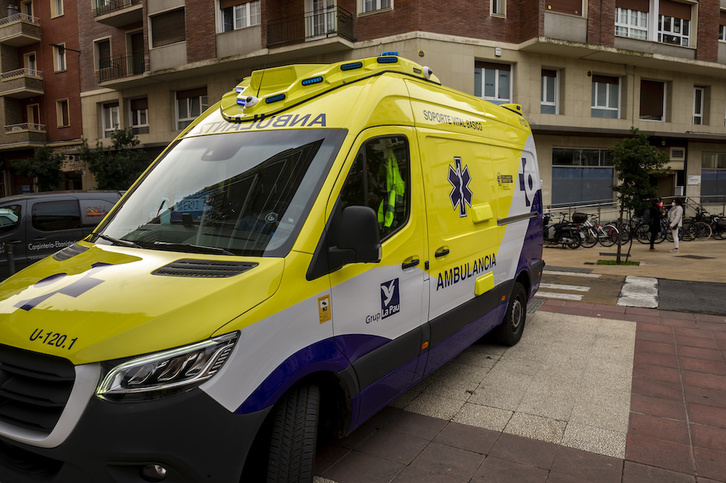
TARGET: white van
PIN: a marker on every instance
(311, 247)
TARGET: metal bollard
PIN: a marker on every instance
(10, 257)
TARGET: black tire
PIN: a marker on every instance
(701, 230)
(642, 233)
(587, 238)
(609, 236)
(573, 235)
(510, 330)
(294, 435)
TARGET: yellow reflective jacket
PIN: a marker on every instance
(395, 190)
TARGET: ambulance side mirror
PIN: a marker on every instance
(358, 238)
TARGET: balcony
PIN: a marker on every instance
(24, 133)
(19, 30)
(333, 22)
(21, 83)
(118, 13)
(129, 65)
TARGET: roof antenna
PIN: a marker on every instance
(267, 56)
(250, 101)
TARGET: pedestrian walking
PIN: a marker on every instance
(675, 221)
(654, 215)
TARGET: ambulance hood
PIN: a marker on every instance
(112, 302)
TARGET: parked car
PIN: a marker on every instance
(39, 224)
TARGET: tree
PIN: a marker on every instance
(118, 166)
(635, 160)
(45, 166)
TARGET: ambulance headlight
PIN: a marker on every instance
(165, 373)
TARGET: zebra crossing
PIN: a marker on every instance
(581, 285)
(565, 291)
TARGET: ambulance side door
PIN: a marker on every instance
(464, 238)
(380, 309)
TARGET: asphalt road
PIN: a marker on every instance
(696, 297)
(675, 295)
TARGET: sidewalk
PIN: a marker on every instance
(698, 261)
(591, 393)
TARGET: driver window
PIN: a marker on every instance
(9, 218)
(380, 178)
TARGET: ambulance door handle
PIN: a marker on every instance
(442, 252)
(410, 263)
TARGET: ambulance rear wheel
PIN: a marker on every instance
(510, 330)
(294, 435)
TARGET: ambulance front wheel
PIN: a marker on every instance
(510, 330)
(294, 435)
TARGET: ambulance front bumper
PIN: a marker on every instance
(187, 437)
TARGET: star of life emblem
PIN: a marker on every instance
(460, 178)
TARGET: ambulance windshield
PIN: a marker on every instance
(235, 194)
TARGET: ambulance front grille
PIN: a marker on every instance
(203, 268)
(34, 388)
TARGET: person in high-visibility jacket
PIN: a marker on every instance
(395, 190)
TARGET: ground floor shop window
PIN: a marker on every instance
(581, 176)
(713, 174)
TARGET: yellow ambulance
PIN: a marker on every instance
(312, 246)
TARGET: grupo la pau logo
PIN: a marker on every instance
(390, 301)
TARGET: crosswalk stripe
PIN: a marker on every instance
(555, 295)
(558, 286)
(639, 292)
(573, 274)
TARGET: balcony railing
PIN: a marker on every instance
(335, 21)
(21, 73)
(19, 17)
(24, 127)
(108, 6)
(123, 66)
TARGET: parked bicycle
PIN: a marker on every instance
(592, 232)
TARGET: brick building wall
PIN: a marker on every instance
(600, 23)
(59, 85)
(709, 14)
(530, 18)
(201, 33)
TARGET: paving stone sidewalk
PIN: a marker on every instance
(591, 393)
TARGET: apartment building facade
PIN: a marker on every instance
(39, 89)
(584, 71)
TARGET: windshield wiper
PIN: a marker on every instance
(188, 247)
(116, 241)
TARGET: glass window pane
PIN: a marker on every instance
(489, 80)
(182, 106)
(504, 85)
(550, 92)
(477, 83)
(196, 109)
(564, 156)
(56, 215)
(601, 95)
(590, 157)
(613, 96)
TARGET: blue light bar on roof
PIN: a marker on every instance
(389, 53)
(276, 98)
(312, 80)
(351, 66)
